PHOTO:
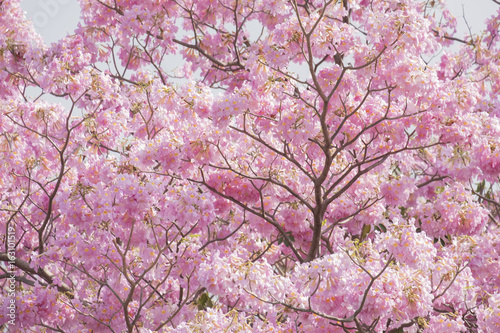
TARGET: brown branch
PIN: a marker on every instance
(209, 57)
(42, 273)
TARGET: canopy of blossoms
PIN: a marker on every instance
(321, 166)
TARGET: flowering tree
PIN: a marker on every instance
(324, 167)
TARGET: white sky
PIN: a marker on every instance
(55, 19)
(474, 11)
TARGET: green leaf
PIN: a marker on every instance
(365, 231)
(397, 170)
(289, 238)
(481, 186)
(403, 211)
(204, 302)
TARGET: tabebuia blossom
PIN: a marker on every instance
(307, 166)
